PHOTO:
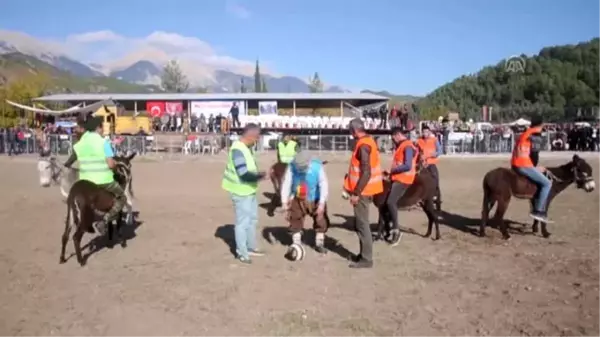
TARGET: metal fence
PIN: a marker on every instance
(215, 144)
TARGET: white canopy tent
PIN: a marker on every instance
(521, 122)
(73, 110)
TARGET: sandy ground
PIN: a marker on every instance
(178, 277)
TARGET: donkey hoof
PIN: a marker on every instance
(435, 238)
(506, 237)
(546, 235)
(62, 260)
(481, 234)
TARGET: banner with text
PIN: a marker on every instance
(267, 108)
(214, 108)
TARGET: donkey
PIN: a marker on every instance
(421, 193)
(87, 203)
(500, 184)
(51, 171)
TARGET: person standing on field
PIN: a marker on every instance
(363, 181)
(241, 179)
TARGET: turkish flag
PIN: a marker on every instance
(155, 109)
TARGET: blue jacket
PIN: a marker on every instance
(311, 177)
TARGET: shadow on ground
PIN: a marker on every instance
(471, 225)
(99, 242)
(281, 235)
(272, 204)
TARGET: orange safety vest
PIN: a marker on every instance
(522, 150)
(407, 177)
(427, 146)
(375, 184)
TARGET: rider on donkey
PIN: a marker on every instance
(286, 149)
(430, 149)
(304, 192)
(524, 160)
(96, 165)
(402, 175)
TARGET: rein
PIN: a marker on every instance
(554, 177)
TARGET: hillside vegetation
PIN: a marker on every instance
(558, 82)
(24, 77)
(394, 99)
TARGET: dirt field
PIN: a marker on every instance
(178, 277)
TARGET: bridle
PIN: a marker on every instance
(580, 179)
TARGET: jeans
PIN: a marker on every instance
(246, 218)
(396, 192)
(544, 185)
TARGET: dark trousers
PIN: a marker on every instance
(363, 227)
(235, 121)
(436, 175)
(396, 192)
(13, 148)
(383, 123)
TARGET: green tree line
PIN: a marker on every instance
(558, 82)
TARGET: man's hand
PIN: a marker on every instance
(354, 200)
(320, 211)
(541, 169)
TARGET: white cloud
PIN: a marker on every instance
(237, 10)
(91, 37)
(197, 58)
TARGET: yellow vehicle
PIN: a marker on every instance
(113, 123)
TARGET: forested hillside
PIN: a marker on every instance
(558, 82)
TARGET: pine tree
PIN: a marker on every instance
(315, 84)
(173, 79)
(257, 81)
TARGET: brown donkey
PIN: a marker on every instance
(500, 184)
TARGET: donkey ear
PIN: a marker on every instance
(131, 156)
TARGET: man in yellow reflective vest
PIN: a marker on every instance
(241, 179)
(96, 164)
(286, 150)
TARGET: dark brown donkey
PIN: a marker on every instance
(87, 202)
(420, 193)
(500, 184)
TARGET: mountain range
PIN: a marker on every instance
(20, 48)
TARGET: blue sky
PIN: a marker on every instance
(408, 47)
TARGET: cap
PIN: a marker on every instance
(301, 160)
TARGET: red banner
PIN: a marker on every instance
(155, 109)
(174, 108)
